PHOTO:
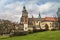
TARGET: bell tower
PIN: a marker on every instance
(24, 19)
(25, 15)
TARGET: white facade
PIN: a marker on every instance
(25, 27)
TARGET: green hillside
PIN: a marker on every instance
(47, 35)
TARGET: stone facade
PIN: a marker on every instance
(47, 23)
(51, 22)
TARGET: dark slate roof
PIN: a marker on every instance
(36, 19)
(29, 19)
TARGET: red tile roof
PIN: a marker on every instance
(50, 19)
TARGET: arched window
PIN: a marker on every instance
(46, 26)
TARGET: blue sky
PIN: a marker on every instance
(12, 9)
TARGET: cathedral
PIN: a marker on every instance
(29, 24)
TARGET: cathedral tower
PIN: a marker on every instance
(24, 19)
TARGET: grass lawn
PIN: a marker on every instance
(47, 35)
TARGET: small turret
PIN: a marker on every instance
(24, 8)
(39, 17)
(58, 13)
(58, 9)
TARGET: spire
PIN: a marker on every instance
(58, 9)
(58, 12)
(39, 16)
(32, 17)
(24, 8)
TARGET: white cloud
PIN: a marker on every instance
(46, 6)
(49, 9)
(13, 11)
(15, 6)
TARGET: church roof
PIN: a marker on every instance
(36, 19)
(53, 19)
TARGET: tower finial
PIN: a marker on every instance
(32, 16)
(39, 15)
(58, 9)
(24, 8)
